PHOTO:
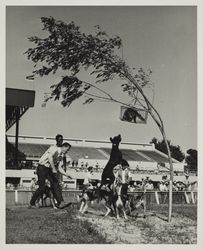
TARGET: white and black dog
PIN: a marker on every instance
(114, 201)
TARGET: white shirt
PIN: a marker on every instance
(163, 187)
(88, 177)
(149, 186)
(123, 175)
(53, 151)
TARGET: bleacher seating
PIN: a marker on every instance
(37, 150)
(33, 150)
(128, 154)
(83, 152)
(156, 157)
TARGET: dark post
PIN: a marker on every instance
(16, 135)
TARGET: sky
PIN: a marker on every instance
(160, 38)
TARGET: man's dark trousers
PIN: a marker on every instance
(44, 173)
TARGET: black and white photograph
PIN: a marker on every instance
(101, 124)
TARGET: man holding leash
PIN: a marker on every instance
(50, 163)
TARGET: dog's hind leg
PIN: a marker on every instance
(124, 214)
(108, 211)
(44, 201)
(85, 208)
(116, 211)
(129, 207)
(144, 209)
(81, 206)
(53, 203)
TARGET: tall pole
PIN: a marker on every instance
(16, 135)
(160, 124)
(170, 199)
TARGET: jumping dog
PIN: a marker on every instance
(115, 159)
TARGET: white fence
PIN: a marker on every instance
(22, 197)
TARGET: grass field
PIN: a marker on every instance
(67, 227)
(46, 225)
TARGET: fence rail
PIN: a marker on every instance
(22, 197)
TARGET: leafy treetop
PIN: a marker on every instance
(67, 48)
(176, 152)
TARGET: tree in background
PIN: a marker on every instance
(176, 152)
(72, 53)
(191, 160)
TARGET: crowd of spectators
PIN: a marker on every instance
(11, 186)
(82, 166)
(163, 185)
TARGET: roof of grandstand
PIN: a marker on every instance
(33, 150)
(17, 103)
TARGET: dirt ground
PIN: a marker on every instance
(154, 229)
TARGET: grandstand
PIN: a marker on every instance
(144, 160)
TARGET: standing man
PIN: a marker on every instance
(123, 177)
(47, 169)
(59, 142)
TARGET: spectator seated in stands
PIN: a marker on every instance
(8, 185)
(82, 165)
(180, 185)
(138, 185)
(149, 185)
(97, 166)
(163, 187)
(137, 168)
(33, 184)
(175, 187)
(164, 178)
(131, 187)
(11, 186)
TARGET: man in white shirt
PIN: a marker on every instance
(149, 185)
(66, 159)
(50, 163)
(123, 174)
(123, 177)
(163, 187)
